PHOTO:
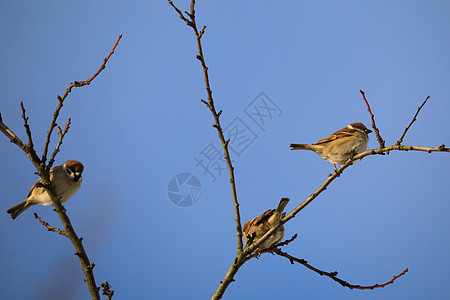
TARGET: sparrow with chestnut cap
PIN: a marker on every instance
(257, 227)
(66, 180)
(341, 145)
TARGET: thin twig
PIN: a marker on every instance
(105, 60)
(30, 145)
(61, 135)
(26, 125)
(287, 242)
(412, 121)
(106, 289)
(10, 134)
(13, 138)
(271, 249)
(49, 227)
(182, 17)
(210, 104)
(377, 132)
(202, 32)
(68, 90)
(333, 275)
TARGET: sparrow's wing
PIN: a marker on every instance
(344, 132)
(36, 186)
(264, 216)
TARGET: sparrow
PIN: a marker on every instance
(66, 180)
(256, 228)
(341, 145)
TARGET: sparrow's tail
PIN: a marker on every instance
(301, 147)
(16, 210)
(282, 204)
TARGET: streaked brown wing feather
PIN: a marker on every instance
(35, 185)
(264, 216)
(344, 132)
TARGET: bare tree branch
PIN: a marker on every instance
(377, 132)
(272, 249)
(61, 135)
(13, 138)
(105, 60)
(333, 275)
(43, 171)
(210, 104)
(10, 134)
(182, 17)
(106, 289)
(248, 252)
(241, 259)
(27, 128)
(68, 90)
(400, 140)
(49, 227)
(30, 145)
(335, 175)
(68, 228)
(287, 242)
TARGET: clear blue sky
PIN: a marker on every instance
(141, 122)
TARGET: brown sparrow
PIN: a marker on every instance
(256, 228)
(66, 180)
(341, 145)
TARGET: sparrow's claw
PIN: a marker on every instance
(258, 252)
(351, 155)
(336, 171)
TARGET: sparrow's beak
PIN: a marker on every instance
(368, 131)
(77, 176)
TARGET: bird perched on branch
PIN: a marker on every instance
(256, 228)
(66, 180)
(341, 145)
